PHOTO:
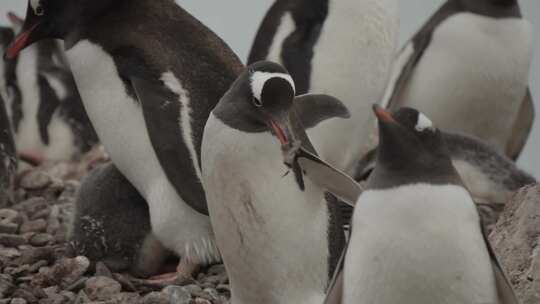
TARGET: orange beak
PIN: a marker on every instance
(278, 130)
(19, 44)
(383, 115)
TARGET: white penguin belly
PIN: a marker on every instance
(352, 61)
(417, 244)
(473, 76)
(121, 127)
(272, 236)
(28, 138)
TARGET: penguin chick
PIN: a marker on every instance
(111, 224)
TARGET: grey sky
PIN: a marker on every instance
(237, 20)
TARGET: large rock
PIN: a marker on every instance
(516, 239)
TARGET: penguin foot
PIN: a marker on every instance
(33, 159)
(184, 273)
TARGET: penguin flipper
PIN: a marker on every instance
(522, 127)
(161, 110)
(412, 53)
(327, 177)
(312, 109)
(403, 69)
(505, 292)
(260, 48)
(334, 293)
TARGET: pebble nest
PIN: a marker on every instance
(37, 265)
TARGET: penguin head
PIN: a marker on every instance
(408, 137)
(260, 100)
(272, 95)
(53, 19)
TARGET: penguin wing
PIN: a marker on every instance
(505, 291)
(311, 109)
(327, 177)
(403, 68)
(522, 127)
(298, 49)
(161, 111)
(412, 53)
(334, 293)
(267, 31)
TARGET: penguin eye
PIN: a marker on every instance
(39, 10)
(257, 103)
(37, 7)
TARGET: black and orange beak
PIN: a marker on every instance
(279, 131)
(383, 115)
(24, 39)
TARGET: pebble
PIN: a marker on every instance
(25, 294)
(156, 298)
(35, 180)
(12, 240)
(41, 239)
(101, 288)
(177, 294)
(32, 255)
(9, 252)
(39, 225)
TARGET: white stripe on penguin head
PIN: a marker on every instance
(423, 123)
(259, 79)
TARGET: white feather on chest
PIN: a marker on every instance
(271, 235)
(473, 76)
(352, 61)
(119, 122)
(417, 244)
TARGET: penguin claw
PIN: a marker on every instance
(33, 159)
(184, 274)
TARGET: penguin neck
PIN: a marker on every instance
(409, 165)
(492, 8)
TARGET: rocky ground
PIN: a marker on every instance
(516, 239)
(37, 266)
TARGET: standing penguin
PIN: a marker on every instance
(416, 235)
(468, 69)
(279, 238)
(45, 108)
(343, 48)
(149, 74)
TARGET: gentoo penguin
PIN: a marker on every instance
(256, 206)
(416, 235)
(490, 176)
(468, 69)
(343, 48)
(111, 224)
(46, 110)
(149, 74)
